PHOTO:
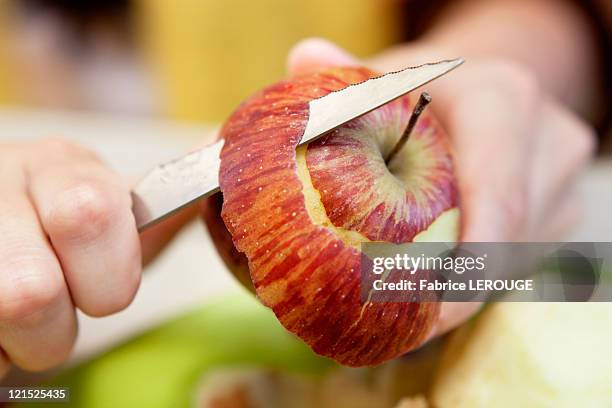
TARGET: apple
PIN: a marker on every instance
(300, 214)
(529, 354)
(235, 260)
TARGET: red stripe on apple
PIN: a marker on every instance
(299, 217)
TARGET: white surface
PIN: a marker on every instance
(190, 271)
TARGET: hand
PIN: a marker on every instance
(67, 240)
(518, 153)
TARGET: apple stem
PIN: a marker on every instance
(420, 106)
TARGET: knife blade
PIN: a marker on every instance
(173, 185)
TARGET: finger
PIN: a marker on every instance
(86, 211)
(312, 54)
(561, 220)
(42, 339)
(564, 146)
(37, 320)
(489, 128)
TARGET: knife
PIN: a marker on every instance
(173, 185)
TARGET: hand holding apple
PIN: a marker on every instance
(496, 115)
(518, 153)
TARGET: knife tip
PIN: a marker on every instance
(457, 61)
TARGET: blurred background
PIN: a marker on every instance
(187, 60)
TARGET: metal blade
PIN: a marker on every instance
(337, 108)
(173, 185)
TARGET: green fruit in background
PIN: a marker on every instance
(162, 368)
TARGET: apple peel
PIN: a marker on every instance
(299, 216)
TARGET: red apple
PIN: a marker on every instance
(235, 260)
(300, 215)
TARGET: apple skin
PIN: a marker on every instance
(235, 260)
(300, 216)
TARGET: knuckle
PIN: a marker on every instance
(84, 210)
(34, 291)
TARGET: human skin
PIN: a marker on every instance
(519, 149)
(68, 240)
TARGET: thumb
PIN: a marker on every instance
(312, 54)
